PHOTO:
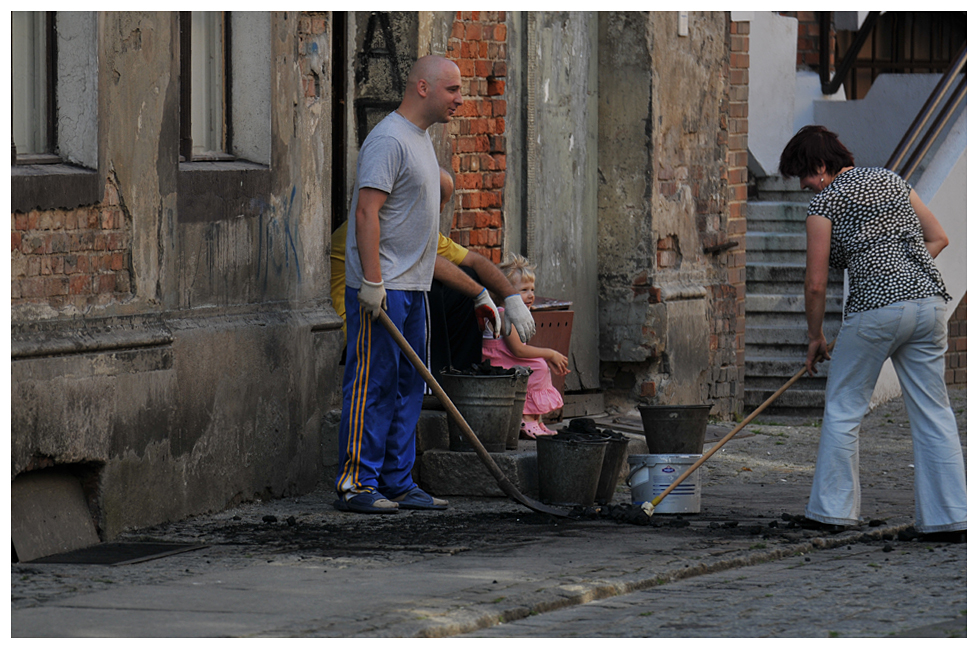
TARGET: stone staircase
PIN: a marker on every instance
(776, 330)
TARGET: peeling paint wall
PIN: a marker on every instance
(561, 221)
(209, 381)
(662, 199)
(77, 106)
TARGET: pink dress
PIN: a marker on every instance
(541, 395)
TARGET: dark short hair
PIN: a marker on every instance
(812, 146)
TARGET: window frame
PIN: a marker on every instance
(224, 186)
(41, 181)
(51, 108)
(186, 93)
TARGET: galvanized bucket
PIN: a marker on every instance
(675, 429)
(614, 460)
(568, 470)
(486, 404)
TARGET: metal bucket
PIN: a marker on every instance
(614, 460)
(568, 470)
(519, 401)
(675, 429)
(650, 475)
(486, 404)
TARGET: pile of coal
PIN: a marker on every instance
(584, 429)
(628, 513)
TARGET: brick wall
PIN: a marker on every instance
(478, 46)
(808, 34)
(76, 257)
(312, 24)
(956, 359)
(727, 239)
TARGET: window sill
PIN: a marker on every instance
(215, 191)
(52, 186)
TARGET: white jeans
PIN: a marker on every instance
(914, 335)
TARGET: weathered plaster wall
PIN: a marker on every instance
(663, 199)
(77, 81)
(561, 220)
(210, 381)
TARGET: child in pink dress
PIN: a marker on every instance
(508, 351)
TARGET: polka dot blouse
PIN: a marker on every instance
(877, 237)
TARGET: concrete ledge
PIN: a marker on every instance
(454, 473)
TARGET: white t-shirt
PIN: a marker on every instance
(398, 158)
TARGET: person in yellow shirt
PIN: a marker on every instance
(458, 293)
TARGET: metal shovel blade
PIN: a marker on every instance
(508, 487)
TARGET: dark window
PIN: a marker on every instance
(205, 100)
(41, 175)
(32, 80)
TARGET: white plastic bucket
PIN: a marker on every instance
(650, 475)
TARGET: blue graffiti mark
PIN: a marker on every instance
(275, 225)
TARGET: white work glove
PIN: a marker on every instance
(485, 310)
(519, 316)
(373, 297)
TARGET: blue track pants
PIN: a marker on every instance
(382, 394)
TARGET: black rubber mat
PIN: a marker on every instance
(119, 554)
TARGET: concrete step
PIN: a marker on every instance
(776, 188)
(454, 473)
(775, 248)
(795, 334)
(770, 370)
(776, 241)
(787, 303)
(776, 339)
(443, 472)
(787, 319)
(776, 216)
(786, 273)
(796, 403)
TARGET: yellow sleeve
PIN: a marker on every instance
(451, 250)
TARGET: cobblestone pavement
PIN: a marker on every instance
(863, 590)
(729, 571)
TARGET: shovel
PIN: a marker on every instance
(508, 488)
(730, 435)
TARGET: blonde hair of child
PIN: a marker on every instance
(518, 269)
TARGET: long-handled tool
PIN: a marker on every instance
(508, 487)
(730, 435)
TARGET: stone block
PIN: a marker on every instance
(432, 431)
(453, 473)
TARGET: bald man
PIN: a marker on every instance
(391, 248)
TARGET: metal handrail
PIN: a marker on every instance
(935, 99)
(936, 129)
(829, 87)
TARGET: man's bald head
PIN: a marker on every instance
(434, 91)
(430, 68)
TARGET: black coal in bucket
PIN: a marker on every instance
(675, 429)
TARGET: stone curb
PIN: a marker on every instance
(555, 598)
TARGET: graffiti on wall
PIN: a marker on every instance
(278, 237)
(382, 60)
